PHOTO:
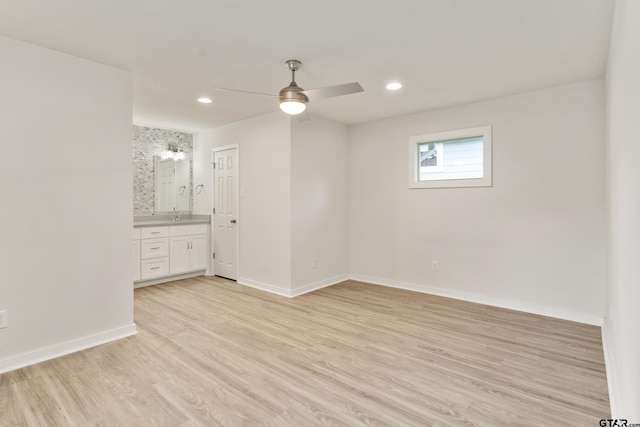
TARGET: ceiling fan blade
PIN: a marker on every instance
(331, 91)
(222, 89)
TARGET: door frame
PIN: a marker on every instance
(214, 150)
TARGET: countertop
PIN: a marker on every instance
(159, 220)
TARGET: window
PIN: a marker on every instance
(460, 158)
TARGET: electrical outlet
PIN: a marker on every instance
(3, 319)
(314, 262)
(435, 265)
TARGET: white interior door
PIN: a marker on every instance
(225, 237)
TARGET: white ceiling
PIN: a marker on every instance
(445, 52)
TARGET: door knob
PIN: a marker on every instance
(233, 221)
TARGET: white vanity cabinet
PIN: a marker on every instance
(188, 248)
(154, 252)
(136, 254)
(169, 252)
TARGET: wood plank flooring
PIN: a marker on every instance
(213, 353)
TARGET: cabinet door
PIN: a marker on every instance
(136, 260)
(179, 254)
(199, 252)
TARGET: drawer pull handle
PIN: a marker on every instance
(157, 247)
(155, 268)
(155, 232)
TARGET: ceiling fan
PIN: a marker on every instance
(293, 99)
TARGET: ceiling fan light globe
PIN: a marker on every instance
(293, 107)
(292, 100)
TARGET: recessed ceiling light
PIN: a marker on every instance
(205, 100)
(394, 86)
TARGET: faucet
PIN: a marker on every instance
(176, 216)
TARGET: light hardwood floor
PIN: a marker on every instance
(210, 352)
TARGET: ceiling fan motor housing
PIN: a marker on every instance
(292, 93)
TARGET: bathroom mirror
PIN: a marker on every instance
(172, 180)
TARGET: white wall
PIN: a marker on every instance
(535, 241)
(264, 145)
(621, 332)
(295, 204)
(66, 209)
(319, 204)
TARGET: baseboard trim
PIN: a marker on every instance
(264, 287)
(62, 349)
(483, 299)
(609, 364)
(319, 285)
(165, 279)
(292, 293)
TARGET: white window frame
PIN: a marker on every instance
(414, 158)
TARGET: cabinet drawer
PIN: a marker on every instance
(136, 234)
(188, 230)
(136, 260)
(153, 232)
(152, 268)
(153, 248)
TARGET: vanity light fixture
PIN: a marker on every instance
(205, 100)
(172, 152)
(394, 86)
